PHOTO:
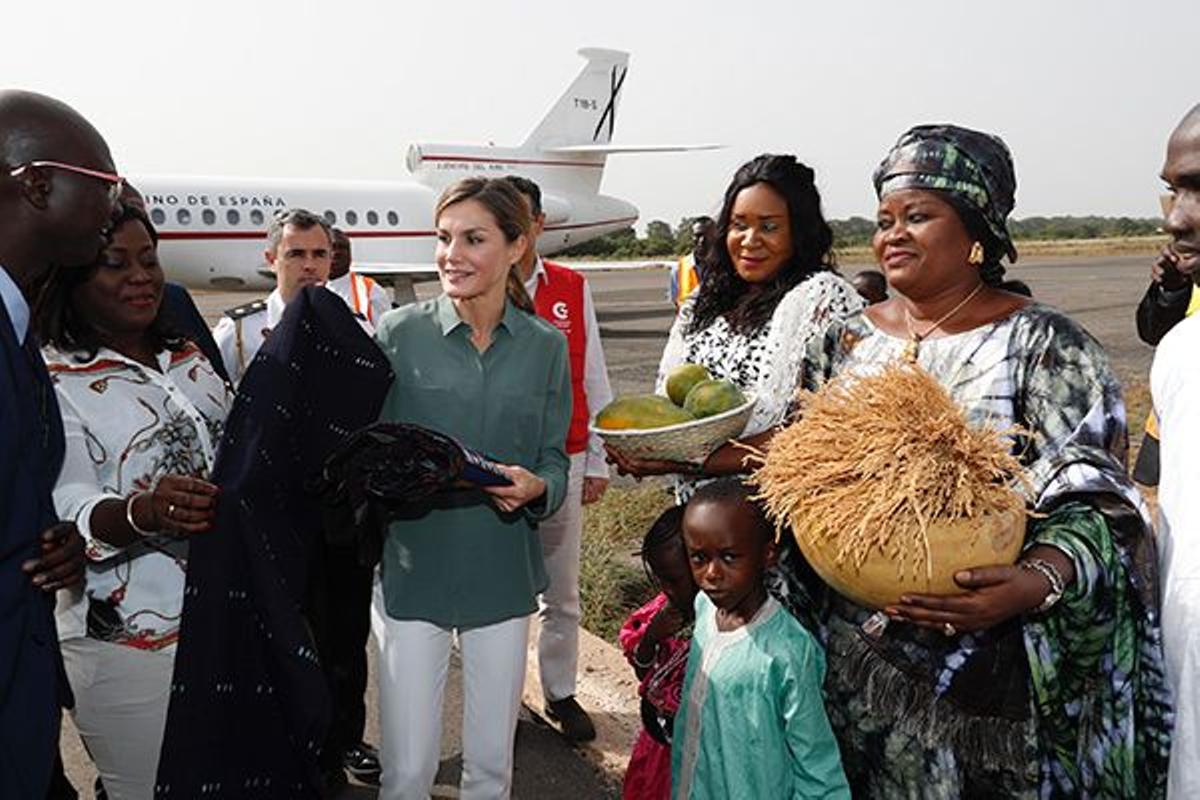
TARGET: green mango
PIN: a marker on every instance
(681, 380)
(712, 397)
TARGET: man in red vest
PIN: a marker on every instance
(563, 299)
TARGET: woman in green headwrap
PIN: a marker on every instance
(1044, 678)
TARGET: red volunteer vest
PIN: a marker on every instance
(559, 301)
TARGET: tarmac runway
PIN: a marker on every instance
(635, 316)
(1100, 293)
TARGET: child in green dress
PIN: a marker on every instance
(752, 720)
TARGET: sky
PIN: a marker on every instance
(1085, 93)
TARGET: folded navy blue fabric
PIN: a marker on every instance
(249, 702)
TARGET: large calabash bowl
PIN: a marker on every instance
(987, 540)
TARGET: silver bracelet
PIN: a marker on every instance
(129, 515)
(1053, 576)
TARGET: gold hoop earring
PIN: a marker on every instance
(975, 257)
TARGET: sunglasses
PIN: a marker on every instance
(115, 182)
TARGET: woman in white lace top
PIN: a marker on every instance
(767, 288)
(143, 412)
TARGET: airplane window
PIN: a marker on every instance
(157, 216)
(372, 218)
(351, 217)
(331, 217)
(256, 216)
(183, 216)
(393, 218)
(233, 216)
(209, 216)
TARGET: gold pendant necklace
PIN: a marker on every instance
(913, 346)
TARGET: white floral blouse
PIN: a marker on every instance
(767, 361)
(126, 426)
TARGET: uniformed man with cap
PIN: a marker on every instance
(299, 251)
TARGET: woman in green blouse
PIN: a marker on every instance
(477, 364)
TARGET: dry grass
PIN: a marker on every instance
(1137, 408)
(611, 580)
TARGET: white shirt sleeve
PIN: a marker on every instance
(225, 335)
(78, 490)
(802, 315)
(381, 302)
(595, 384)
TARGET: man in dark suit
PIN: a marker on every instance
(57, 190)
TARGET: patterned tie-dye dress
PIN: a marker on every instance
(1066, 704)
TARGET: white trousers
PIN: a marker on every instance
(558, 606)
(1181, 643)
(414, 660)
(121, 697)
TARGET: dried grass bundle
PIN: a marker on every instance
(875, 459)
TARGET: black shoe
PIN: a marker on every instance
(572, 720)
(362, 762)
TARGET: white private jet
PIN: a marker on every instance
(211, 229)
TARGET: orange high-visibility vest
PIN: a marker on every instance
(687, 279)
(360, 296)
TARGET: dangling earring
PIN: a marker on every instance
(975, 258)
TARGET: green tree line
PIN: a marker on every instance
(661, 240)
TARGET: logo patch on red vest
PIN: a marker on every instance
(559, 301)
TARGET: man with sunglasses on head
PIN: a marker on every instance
(57, 192)
(299, 252)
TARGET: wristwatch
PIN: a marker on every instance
(1052, 575)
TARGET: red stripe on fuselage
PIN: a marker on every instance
(579, 225)
(258, 235)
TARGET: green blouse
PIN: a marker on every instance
(459, 562)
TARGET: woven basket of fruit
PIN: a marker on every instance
(697, 416)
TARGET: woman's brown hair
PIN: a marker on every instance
(512, 215)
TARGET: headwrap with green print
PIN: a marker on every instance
(975, 168)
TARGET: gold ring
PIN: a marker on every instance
(949, 629)
(171, 512)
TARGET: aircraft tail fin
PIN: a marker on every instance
(567, 150)
(586, 113)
